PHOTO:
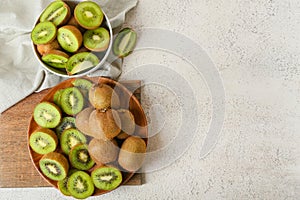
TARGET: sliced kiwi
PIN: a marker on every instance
(43, 141)
(82, 83)
(124, 43)
(69, 138)
(63, 184)
(66, 123)
(45, 48)
(71, 101)
(54, 165)
(96, 40)
(43, 33)
(80, 185)
(57, 12)
(69, 38)
(81, 61)
(80, 158)
(106, 178)
(47, 115)
(88, 14)
(56, 58)
(57, 96)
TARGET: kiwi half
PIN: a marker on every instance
(81, 61)
(57, 96)
(47, 115)
(106, 178)
(80, 158)
(57, 12)
(66, 123)
(69, 38)
(124, 43)
(83, 84)
(43, 33)
(63, 184)
(69, 138)
(80, 185)
(96, 40)
(43, 141)
(56, 58)
(71, 101)
(54, 165)
(88, 14)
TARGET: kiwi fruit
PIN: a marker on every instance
(122, 135)
(96, 39)
(56, 58)
(132, 153)
(80, 158)
(81, 61)
(102, 96)
(103, 152)
(106, 178)
(47, 114)
(73, 22)
(103, 125)
(45, 48)
(80, 185)
(43, 33)
(88, 14)
(56, 97)
(57, 12)
(82, 49)
(66, 123)
(81, 83)
(54, 165)
(63, 184)
(69, 138)
(127, 121)
(71, 101)
(69, 38)
(124, 43)
(82, 120)
(43, 141)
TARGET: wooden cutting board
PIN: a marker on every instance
(16, 169)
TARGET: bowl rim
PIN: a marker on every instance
(60, 73)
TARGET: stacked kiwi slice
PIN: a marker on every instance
(70, 40)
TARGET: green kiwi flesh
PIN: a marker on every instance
(106, 178)
(124, 43)
(47, 115)
(88, 14)
(57, 12)
(80, 185)
(71, 101)
(69, 38)
(66, 123)
(43, 33)
(56, 58)
(81, 62)
(82, 83)
(43, 141)
(57, 96)
(96, 40)
(63, 184)
(80, 158)
(69, 138)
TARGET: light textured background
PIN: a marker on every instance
(255, 46)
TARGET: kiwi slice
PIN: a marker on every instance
(63, 184)
(71, 101)
(106, 178)
(96, 40)
(81, 61)
(88, 14)
(47, 115)
(54, 165)
(45, 48)
(57, 96)
(69, 138)
(43, 141)
(82, 83)
(57, 12)
(66, 123)
(56, 58)
(80, 158)
(69, 38)
(124, 43)
(80, 185)
(43, 33)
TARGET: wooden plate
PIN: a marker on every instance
(124, 95)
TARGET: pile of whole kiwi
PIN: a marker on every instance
(86, 139)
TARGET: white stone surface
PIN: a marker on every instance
(255, 46)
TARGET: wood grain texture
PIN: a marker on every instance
(16, 168)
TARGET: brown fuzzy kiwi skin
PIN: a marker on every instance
(58, 52)
(132, 153)
(73, 22)
(76, 33)
(127, 121)
(82, 49)
(82, 121)
(58, 157)
(103, 125)
(122, 135)
(45, 48)
(103, 152)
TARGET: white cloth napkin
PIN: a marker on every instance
(20, 72)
